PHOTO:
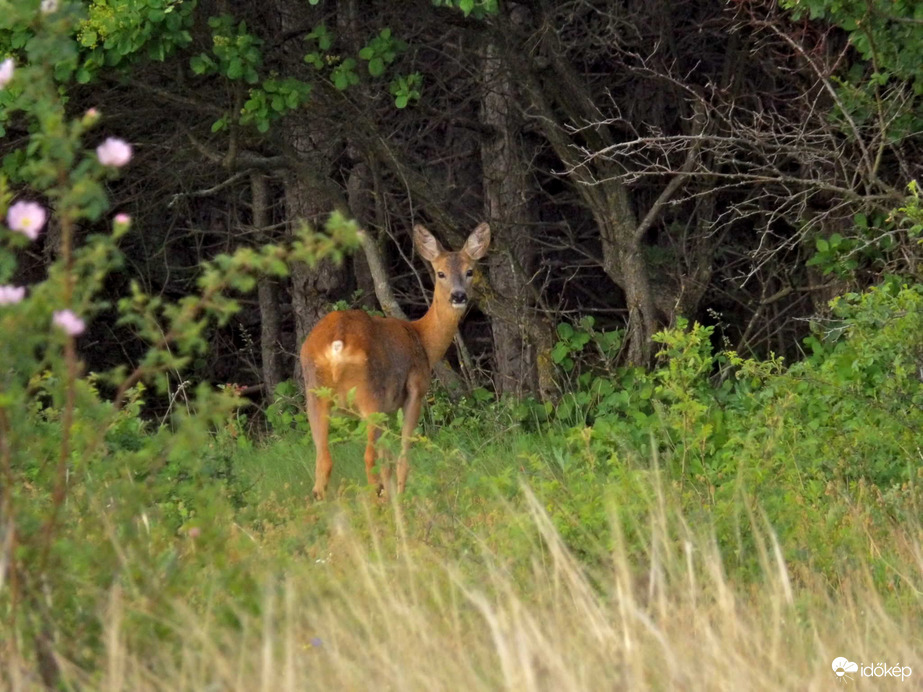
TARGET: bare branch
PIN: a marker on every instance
(379, 274)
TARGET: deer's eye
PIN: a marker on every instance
(470, 272)
(441, 275)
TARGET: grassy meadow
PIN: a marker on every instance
(467, 582)
(715, 523)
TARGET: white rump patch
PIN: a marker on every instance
(336, 348)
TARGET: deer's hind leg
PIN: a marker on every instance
(412, 407)
(375, 453)
(319, 419)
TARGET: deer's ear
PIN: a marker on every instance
(478, 241)
(426, 244)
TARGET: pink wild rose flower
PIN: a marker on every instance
(10, 295)
(68, 322)
(26, 218)
(6, 72)
(114, 152)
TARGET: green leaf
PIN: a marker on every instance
(376, 67)
(156, 51)
(314, 59)
(559, 352)
(235, 69)
(344, 74)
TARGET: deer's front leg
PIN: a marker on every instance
(412, 407)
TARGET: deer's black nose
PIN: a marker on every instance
(458, 298)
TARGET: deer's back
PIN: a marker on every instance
(380, 357)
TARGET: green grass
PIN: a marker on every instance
(457, 585)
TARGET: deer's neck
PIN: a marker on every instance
(437, 328)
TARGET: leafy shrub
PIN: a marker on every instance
(287, 411)
(815, 448)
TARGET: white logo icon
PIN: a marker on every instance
(841, 666)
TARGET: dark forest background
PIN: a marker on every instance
(734, 163)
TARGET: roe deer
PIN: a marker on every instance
(387, 361)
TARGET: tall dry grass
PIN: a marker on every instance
(383, 612)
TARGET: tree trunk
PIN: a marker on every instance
(361, 207)
(360, 194)
(506, 195)
(309, 194)
(624, 263)
(268, 293)
(622, 250)
(313, 288)
(558, 98)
